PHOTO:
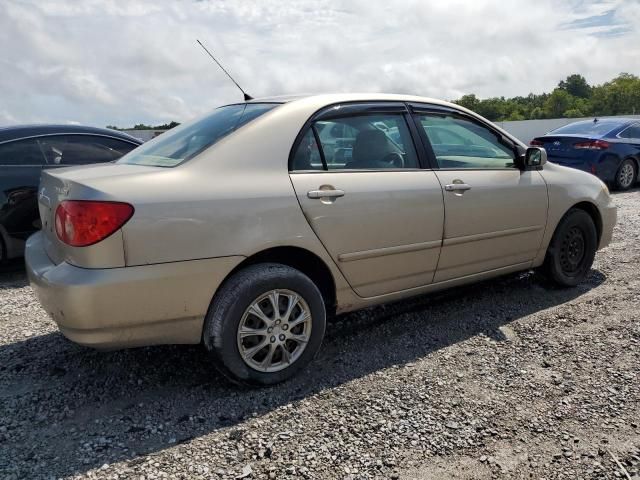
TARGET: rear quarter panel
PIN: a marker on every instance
(628, 149)
(609, 161)
(235, 199)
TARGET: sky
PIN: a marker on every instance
(122, 62)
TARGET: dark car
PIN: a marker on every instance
(25, 151)
(608, 148)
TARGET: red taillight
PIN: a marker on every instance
(536, 143)
(80, 223)
(592, 145)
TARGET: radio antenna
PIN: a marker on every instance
(247, 97)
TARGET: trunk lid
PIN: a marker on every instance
(561, 148)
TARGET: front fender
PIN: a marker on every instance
(567, 188)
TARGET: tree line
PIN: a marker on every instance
(572, 98)
(142, 126)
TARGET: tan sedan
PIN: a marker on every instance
(242, 229)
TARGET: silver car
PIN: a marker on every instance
(242, 230)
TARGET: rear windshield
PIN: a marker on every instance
(601, 127)
(186, 141)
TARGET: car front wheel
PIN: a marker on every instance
(572, 249)
(265, 324)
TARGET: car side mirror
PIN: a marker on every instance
(534, 158)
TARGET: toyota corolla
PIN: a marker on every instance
(241, 230)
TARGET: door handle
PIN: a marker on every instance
(457, 187)
(325, 193)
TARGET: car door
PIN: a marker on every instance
(376, 211)
(21, 162)
(631, 137)
(495, 214)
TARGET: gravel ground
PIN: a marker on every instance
(510, 378)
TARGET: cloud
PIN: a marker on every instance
(124, 62)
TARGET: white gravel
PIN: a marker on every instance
(510, 378)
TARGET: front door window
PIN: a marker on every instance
(460, 143)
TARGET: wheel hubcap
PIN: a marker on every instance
(572, 251)
(625, 177)
(274, 331)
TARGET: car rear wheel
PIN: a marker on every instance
(572, 249)
(265, 324)
(626, 175)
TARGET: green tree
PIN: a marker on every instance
(166, 126)
(537, 113)
(469, 101)
(618, 97)
(576, 85)
(514, 116)
(574, 113)
(558, 102)
(492, 108)
(573, 97)
(142, 126)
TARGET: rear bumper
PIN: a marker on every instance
(129, 306)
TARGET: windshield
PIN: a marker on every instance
(601, 127)
(186, 141)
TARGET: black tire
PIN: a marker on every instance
(572, 249)
(626, 176)
(3, 251)
(227, 310)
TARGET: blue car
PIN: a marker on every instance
(609, 148)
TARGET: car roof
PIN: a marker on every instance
(316, 102)
(24, 131)
(616, 120)
(612, 122)
(279, 98)
(330, 98)
(601, 127)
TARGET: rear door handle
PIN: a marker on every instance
(325, 193)
(457, 187)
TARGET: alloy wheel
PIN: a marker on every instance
(625, 176)
(274, 330)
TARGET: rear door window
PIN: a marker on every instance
(307, 156)
(21, 153)
(631, 132)
(82, 149)
(118, 147)
(358, 142)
